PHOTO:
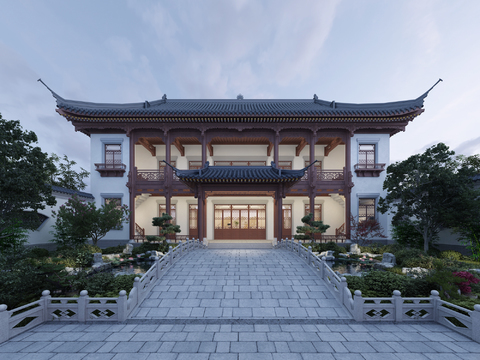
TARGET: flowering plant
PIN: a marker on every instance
(464, 286)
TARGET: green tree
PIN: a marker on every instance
(165, 226)
(64, 174)
(431, 191)
(78, 220)
(309, 228)
(24, 170)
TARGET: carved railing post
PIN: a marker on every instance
(435, 296)
(310, 255)
(322, 268)
(4, 323)
(122, 305)
(398, 305)
(475, 316)
(45, 297)
(180, 248)
(157, 264)
(82, 306)
(358, 306)
(170, 254)
(343, 286)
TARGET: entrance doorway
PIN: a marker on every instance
(240, 222)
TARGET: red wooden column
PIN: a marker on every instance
(279, 198)
(200, 212)
(275, 150)
(312, 176)
(132, 181)
(168, 174)
(204, 148)
(348, 189)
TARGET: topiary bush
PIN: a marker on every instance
(450, 254)
(402, 255)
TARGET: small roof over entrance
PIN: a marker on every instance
(239, 175)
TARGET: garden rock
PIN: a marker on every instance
(415, 271)
(128, 249)
(355, 249)
(388, 261)
(327, 254)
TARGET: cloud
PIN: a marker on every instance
(121, 48)
(222, 48)
(469, 147)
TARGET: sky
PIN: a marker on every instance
(357, 51)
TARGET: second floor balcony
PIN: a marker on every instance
(159, 177)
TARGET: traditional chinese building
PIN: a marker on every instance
(240, 169)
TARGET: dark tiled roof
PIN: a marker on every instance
(165, 108)
(72, 192)
(238, 107)
(237, 174)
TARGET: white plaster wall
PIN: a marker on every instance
(110, 186)
(333, 213)
(334, 161)
(150, 209)
(43, 234)
(371, 187)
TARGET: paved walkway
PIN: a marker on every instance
(226, 336)
(240, 284)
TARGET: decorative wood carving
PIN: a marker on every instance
(300, 147)
(269, 149)
(179, 146)
(148, 145)
(210, 148)
(332, 145)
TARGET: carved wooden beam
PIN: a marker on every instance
(332, 145)
(148, 145)
(269, 149)
(179, 146)
(300, 147)
(210, 148)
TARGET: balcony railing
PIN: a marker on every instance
(150, 175)
(369, 170)
(327, 175)
(111, 170)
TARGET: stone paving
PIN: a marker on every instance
(241, 284)
(177, 336)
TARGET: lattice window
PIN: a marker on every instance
(193, 211)
(162, 209)
(366, 209)
(287, 216)
(113, 156)
(317, 215)
(242, 217)
(366, 156)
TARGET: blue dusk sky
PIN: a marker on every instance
(358, 51)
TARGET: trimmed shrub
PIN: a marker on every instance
(450, 254)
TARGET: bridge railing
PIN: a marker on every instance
(90, 309)
(395, 308)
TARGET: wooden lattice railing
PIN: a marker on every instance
(340, 230)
